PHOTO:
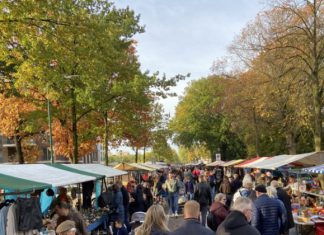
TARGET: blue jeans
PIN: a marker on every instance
(173, 202)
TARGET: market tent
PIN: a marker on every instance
(232, 162)
(133, 167)
(155, 165)
(306, 159)
(216, 163)
(250, 162)
(19, 184)
(315, 169)
(68, 167)
(44, 174)
(97, 169)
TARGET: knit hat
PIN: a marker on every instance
(65, 226)
(261, 188)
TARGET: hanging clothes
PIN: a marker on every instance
(3, 219)
(29, 214)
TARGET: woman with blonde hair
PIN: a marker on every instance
(155, 222)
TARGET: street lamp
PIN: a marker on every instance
(49, 111)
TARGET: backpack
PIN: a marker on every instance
(181, 187)
(211, 221)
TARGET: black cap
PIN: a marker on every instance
(261, 188)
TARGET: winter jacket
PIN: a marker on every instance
(125, 196)
(284, 197)
(203, 194)
(235, 185)
(192, 227)
(225, 187)
(118, 204)
(267, 212)
(220, 212)
(190, 186)
(155, 231)
(236, 224)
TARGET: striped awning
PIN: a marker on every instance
(315, 169)
(249, 163)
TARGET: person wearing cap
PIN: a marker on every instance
(66, 228)
(267, 212)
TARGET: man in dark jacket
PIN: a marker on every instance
(284, 197)
(267, 212)
(191, 223)
(237, 222)
(203, 196)
(125, 202)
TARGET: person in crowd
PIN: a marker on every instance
(120, 228)
(147, 195)
(191, 223)
(268, 178)
(138, 199)
(236, 183)
(267, 212)
(187, 173)
(238, 221)
(62, 195)
(158, 188)
(155, 222)
(131, 184)
(196, 173)
(66, 228)
(284, 197)
(282, 221)
(219, 176)
(292, 187)
(118, 202)
(172, 188)
(219, 209)
(246, 189)
(189, 186)
(212, 183)
(203, 196)
(125, 202)
(225, 188)
(65, 212)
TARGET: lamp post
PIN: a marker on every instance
(49, 111)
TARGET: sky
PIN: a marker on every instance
(187, 36)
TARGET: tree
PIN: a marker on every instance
(292, 31)
(201, 119)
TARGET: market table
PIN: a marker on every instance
(303, 228)
(102, 221)
(312, 225)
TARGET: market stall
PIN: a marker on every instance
(305, 159)
(215, 163)
(250, 162)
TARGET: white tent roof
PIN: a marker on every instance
(97, 169)
(216, 163)
(44, 173)
(310, 159)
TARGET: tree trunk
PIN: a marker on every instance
(136, 154)
(291, 143)
(256, 133)
(74, 127)
(106, 138)
(19, 151)
(144, 156)
(318, 121)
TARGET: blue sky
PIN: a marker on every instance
(186, 36)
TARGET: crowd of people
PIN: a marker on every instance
(211, 202)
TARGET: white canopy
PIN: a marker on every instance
(216, 163)
(97, 169)
(44, 173)
(310, 159)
